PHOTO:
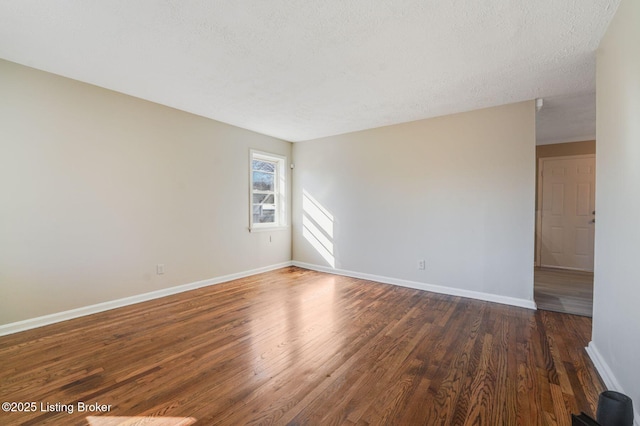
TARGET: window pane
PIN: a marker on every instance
(263, 198)
(263, 215)
(264, 219)
(263, 181)
(264, 166)
(268, 217)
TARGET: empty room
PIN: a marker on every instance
(318, 213)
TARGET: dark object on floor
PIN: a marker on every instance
(614, 409)
(583, 420)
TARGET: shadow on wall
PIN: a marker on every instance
(317, 227)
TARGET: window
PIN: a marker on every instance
(268, 191)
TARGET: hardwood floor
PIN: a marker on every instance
(300, 347)
(562, 290)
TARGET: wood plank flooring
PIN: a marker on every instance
(297, 347)
(562, 290)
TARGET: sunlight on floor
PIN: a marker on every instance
(139, 420)
(305, 324)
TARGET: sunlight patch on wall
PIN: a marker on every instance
(317, 227)
(314, 210)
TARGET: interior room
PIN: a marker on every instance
(336, 213)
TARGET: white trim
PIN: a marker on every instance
(274, 229)
(566, 268)
(603, 368)
(487, 297)
(607, 376)
(31, 323)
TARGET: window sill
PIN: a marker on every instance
(268, 228)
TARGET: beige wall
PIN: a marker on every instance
(457, 191)
(616, 317)
(98, 187)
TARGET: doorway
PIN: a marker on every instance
(563, 274)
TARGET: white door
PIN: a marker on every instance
(568, 213)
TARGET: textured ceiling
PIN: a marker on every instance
(566, 119)
(306, 69)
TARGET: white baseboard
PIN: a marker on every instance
(31, 323)
(603, 368)
(487, 297)
(608, 377)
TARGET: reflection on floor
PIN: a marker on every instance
(562, 290)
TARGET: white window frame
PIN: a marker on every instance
(280, 191)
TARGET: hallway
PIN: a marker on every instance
(562, 290)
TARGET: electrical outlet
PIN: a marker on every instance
(160, 268)
(421, 264)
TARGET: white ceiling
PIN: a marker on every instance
(305, 69)
(566, 119)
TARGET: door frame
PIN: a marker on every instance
(539, 185)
